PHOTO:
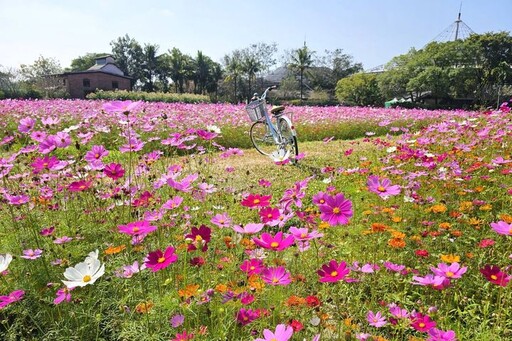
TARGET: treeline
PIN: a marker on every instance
(476, 71)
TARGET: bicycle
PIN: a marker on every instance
(265, 135)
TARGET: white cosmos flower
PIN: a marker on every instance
(4, 262)
(213, 129)
(84, 273)
(280, 155)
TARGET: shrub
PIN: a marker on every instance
(148, 96)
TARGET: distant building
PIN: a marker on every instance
(104, 75)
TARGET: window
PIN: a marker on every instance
(64, 81)
(86, 83)
(115, 85)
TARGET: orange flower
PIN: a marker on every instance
(221, 288)
(295, 301)
(397, 234)
(445, 226)
(396, 219)
(247, 244)
(438, 208)
(323, 225)
(486, 207)
(456, 233)
(144, 307)
(506, 218)
(396, 243)
(450, 258)
(378, 227)
(255, 282)
(479, 189)
(455, 214)
(189, 291)
(229, 244)
(112, 250)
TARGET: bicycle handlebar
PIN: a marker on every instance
(270, 88)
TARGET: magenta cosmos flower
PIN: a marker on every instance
(14, 296)
(382, 187)
(435, 334)
(337, 210)
(279, 242)
(137, 228)
(114, 171)
(502, 227)
(158, 260)
(449, 271)
(282, 333)
(333, 271)
(252, 266)
(256, 201)
(422, 323)
(79, 186)
(276, 276)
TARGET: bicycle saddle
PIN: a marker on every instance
(277, 109)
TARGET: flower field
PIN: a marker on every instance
(151, 221)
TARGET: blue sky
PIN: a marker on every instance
(372, 31)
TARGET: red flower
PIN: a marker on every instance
(421, 253)
(296, 325)
(199, 238)
(494, 275)
(422, 323)
(313, 301)
(158, 260)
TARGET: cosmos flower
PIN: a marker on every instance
(376, 319)
(158, 260)
(282, 333)
(333, 272)
(256, 201)
(84, 273)
(279, 242)
(276, 276)
(14, 296)
(501, 227)
(141, 227)
(5, 260)
(337, 210)
(382, 187)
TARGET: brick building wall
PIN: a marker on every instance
(79, 84)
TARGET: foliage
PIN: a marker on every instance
(359, 89)
(331, 67)
(82, 63)
(299, 61)
(42, 77)
(165, 97)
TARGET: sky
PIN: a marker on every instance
(371, 31)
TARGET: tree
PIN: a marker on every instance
(299, 61)
(250, 66)
(179, 68)
(42, 75)
(82, 63)
(359, 89)
(233, 68)
(332, 67)
(150, 67)
(129, 57)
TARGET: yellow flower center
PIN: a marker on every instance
(161, 260)
(449, 274)
(256, 201)
(45, 164)
(135, 230)
(336, 210)
(86, 278)
(322, 201)
(274, 244)
(494, 277)
(303, 235)
(381, 189)
(199, 238)
(96, 155)
(275, 280)
(421, 325)
(252, 267)
(82, 187)
(269, 215)
(334, 273)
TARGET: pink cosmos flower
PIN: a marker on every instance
(422, 323)
(62, 139)
(79, 186)
(449, 271)
(47, 162)
(303, 233)
(382, 187)
(256, 201)
(14, 296)
(502, 227)
(376, 320)
(276, 276)
(63, 294)
(177, 320)
(319, 198)
(173, 203)
(26, 125)
(96, 153)
(333, 272)
(337, 210)
(47, 145)
(279, 242)
(121, 107)
(221, 220)
(62, 240)
(17, 200)
(436, 282)
(32, 254)
(252, 266)
(435, 334)
(268, 214)
(127, 271)
(282, 333)
(398, 312)
(114, 171)
(140, 227)
(47, 231)
(133, 145)
(158, 260)
(185, 185)
(250, 228)
(394, 267)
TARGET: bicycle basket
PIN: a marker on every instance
(255, 110)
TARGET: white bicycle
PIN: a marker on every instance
(271, 133)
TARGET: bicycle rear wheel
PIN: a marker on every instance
(288, 138)
(262, 138)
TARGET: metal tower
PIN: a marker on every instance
(457, 30)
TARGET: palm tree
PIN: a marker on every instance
(300, 60)
(250, 66)
(233, 65)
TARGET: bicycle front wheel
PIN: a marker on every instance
(262, 138)
(288, 138)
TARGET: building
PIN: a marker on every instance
(104, 75)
